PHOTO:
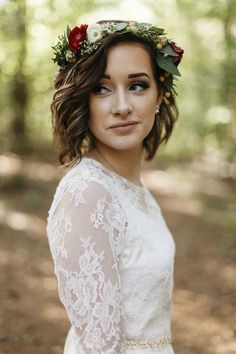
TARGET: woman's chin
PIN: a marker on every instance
(126, 147)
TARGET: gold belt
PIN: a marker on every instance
(159, 343)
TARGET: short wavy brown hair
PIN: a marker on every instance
(70, 108)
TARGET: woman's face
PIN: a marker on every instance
(122, 107)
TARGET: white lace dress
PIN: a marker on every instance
(113, 258)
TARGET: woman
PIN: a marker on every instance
(113, 253)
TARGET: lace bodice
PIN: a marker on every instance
(113, 257)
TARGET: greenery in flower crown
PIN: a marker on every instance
(86, 39)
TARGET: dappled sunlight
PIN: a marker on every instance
(204, 300)
(3, 258)
(21, 221)
(183, 206)
(226, 274)
(185, 181)
(194, 203)
(213, 162)
(49, 283)
(193, 178)
(193, 191)
(53, 312)
(12, 164)
(165, 183)
(198, 326)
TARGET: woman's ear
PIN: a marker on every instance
(159, 97)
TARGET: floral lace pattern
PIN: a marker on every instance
(91, 300)
(113, 258)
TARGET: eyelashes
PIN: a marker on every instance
(99, 89)
(136, 86)
(140, 84)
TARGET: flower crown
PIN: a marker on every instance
(86, 39)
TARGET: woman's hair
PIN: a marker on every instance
(70, 105)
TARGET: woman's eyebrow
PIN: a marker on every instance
(130, 76)
(137, 75)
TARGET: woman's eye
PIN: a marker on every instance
(139, 86)
(100, 90)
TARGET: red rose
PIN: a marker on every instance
(177, 59)
(76, 37)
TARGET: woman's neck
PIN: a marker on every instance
(124, 163)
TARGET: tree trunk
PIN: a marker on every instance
(19, 88)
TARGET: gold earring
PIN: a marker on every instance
(157, 110)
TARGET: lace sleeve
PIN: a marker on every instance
(85, 230)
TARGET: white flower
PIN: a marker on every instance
(108, 27)
(70, 56)
(132, 26)
(94, 32)
(163, 40)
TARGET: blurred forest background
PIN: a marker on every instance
(193, 177)
(206, 91)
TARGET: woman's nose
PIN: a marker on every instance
(121, 104)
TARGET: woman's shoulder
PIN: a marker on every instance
(84, 180)
(86, 172)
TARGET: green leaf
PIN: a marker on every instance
(167, 64)
(168, 50)
(68, 30)
(160, 30)
(120, 26)
(169, 83)
(144, 24)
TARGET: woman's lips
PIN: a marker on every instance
(125, 128)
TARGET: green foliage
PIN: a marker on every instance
(59, 50)
(206, 91)
(36, 68)
(167, 64)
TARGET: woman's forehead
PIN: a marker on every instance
(128, 57)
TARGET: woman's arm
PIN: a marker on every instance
(85, 231)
